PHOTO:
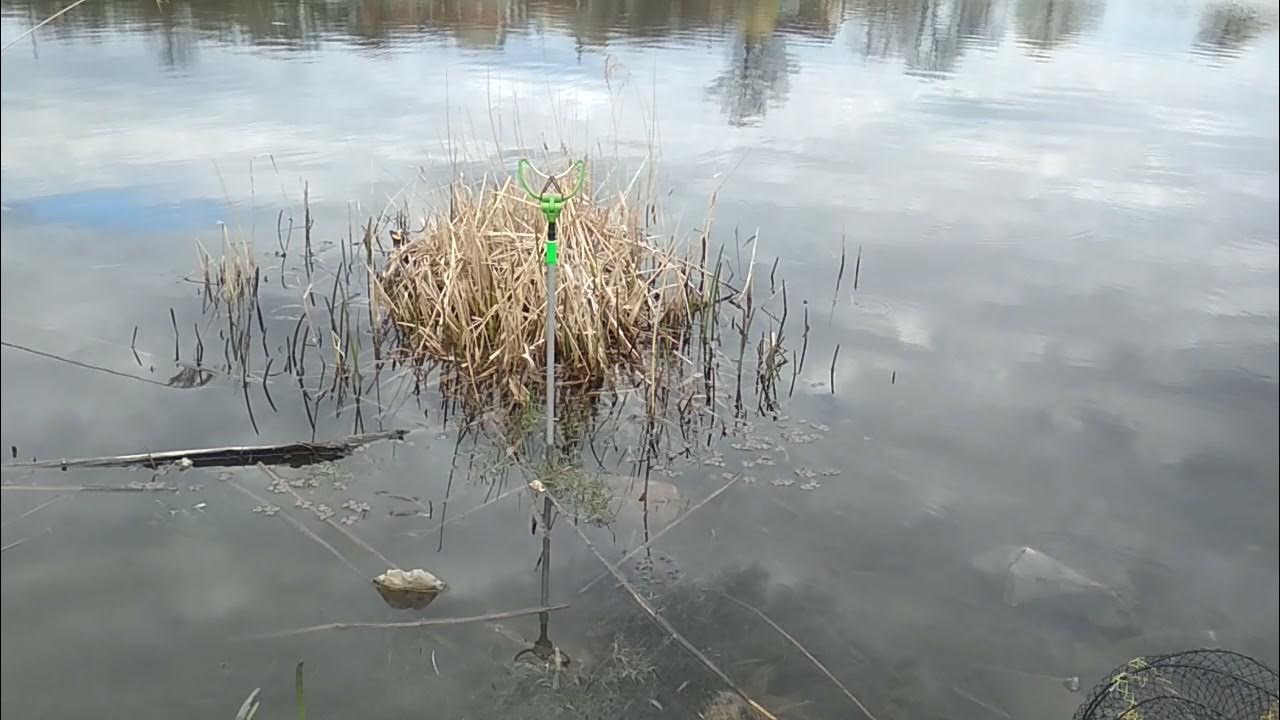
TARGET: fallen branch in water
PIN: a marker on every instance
(433, 622)
(631, 553)
(294, 454)
(818, 664)
(140, 487)
(661, 621)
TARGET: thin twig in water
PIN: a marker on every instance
(41, 24)
(631, 553)
(817, 663)
(86, 366)
(433, 622)
(662, 622)
(16, 543)
(36, 509)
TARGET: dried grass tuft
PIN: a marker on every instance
(467, 292)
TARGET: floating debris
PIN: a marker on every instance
(349, 520)
(830, 472)
(268, 510)
(820, 427)
(749, 479)
(804, 472)
(800, 437)
(357, 506)
(811, 485)
(152, 486)
(408, 590)
(780, 482)
(715, 460)
(752, 443)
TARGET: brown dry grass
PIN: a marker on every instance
(468, 291)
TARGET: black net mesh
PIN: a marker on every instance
(1192, 685)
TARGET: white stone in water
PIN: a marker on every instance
(417, 580)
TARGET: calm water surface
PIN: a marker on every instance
(1064, 336)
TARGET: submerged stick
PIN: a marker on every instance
(663, 623)
(38, 508)
(433, 622)
(86, 366)
(233, 456)
(632, 553)
(857, 268)
(18, 542)
(817, 663)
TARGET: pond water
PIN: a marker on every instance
(1063, 335)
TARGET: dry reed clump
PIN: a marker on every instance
(231, 278)
(468, 292)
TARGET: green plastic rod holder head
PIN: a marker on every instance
(552, 199)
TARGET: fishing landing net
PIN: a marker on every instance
(1191, 685)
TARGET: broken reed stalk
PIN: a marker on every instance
(835, 294)
(857, 268)
(817, 663)
(834, 356)
(661, 621)
(433, 622)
